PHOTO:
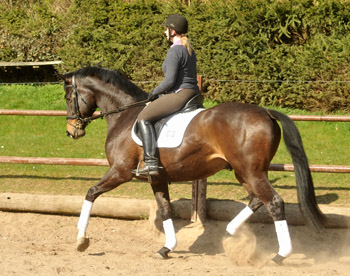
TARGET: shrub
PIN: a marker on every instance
(282, 53)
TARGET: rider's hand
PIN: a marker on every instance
(151, 97)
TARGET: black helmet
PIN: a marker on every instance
(177, 22)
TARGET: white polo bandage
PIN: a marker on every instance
(170, 236)
(84, 217)
(284, 241)
(239, 220)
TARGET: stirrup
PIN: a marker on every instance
(148, 173)
(136, 171)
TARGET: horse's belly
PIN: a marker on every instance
(195, 168)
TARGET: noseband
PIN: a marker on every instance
(81, 122)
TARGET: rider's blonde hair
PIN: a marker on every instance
(186, 43)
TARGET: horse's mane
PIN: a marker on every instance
(115, 77)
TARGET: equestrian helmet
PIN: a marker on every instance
(177, 22)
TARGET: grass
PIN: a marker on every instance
(326, 143)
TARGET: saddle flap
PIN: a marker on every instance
(192, 104)
(170, 130)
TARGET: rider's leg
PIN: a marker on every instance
(149, 142)
(163, 106)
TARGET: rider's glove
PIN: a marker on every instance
(151, 97)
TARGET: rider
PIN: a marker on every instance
(178, 86)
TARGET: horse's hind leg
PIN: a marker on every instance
(254, 204)
(161, 193)
(261, 192)
(243, 216)
(275, 206)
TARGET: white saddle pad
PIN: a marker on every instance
(173, 131)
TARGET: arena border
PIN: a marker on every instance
(136, 209)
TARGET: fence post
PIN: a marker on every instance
(199, 190)
(199, 82)
(199, 201)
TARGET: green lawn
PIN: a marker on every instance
(326, 143)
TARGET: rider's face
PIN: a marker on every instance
(168, 32)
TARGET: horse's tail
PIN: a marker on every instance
(305, 186)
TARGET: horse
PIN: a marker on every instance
(236, 136)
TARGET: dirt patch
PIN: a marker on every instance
(36, 244)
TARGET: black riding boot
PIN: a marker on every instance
(150, 167)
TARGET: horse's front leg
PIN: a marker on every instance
(161, 193)
(111, 180)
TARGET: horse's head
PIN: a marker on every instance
(80, 105)
(90, 84)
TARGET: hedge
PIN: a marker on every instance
(281, 53)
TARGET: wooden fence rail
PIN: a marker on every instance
(103, 162)
(318, 118)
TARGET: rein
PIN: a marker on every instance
(84, 121)
(119, 109)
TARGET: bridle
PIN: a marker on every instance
(81, 122)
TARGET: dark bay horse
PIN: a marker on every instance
(236, 136)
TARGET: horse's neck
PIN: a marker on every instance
(119, 125)
(112, 101)
(109, 98)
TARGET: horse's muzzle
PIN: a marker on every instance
(78, 133)
(73, 131)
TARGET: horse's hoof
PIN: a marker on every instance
(82, 244)
(163, 253)
(277, 260)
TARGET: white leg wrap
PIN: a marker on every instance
(284, 241)
(84, 218)
(170, 236)
(239, 220)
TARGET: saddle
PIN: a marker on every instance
(194, 103)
